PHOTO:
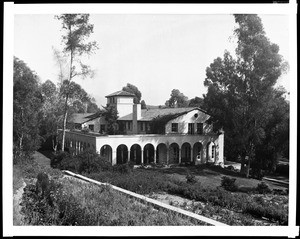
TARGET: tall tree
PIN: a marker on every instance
(134, 90)
(76, 29)
(240, 89)
(177, 99)
(27, 104)
(196, 102)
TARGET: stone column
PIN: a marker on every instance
(154, 155)
(168, 156)
(114, 157)
(128, 159)
(142, 156)
(191, 154)
(179, 155)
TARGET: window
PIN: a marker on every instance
(128, 126)
(102, 128)
(142, 126)
(213, 151)
(91, 127)
(199, 128)
(148, 127)
(191, 128)
(174, 127)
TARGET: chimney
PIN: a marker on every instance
(136, 115)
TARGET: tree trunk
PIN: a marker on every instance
(64, 125)
(66, 105)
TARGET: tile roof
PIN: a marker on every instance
(120, 93)
(80, 118)
(150, 114)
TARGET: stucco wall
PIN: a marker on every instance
(185, 119)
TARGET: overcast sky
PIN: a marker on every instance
(156, 53)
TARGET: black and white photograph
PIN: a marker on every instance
(150, 120)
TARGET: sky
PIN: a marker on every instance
(155, 52)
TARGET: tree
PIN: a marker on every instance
(51, 112)
(143, 105)
(27, 104)
(177, 99)
(76, 31)
(196, 102)
(240, 90)
(134, 90)
(110, 114)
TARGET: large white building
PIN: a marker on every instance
(156, 135)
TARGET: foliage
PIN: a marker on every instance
(240, 94)
(110, 114)
(143, 105)
(88, 161)
(190, 178)
(196, 102)
(229, 184)
(134, 90)
(69, 202)
(263, 188)
(177, 99)
(159, 122)
(27, 103)
(76, 29)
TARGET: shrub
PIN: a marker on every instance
(229, 184)
(263, 188)
(86, 162)
(123, 168)
(190, 178)
(282, 169)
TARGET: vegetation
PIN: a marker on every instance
(243, 101)
(77, 29)
(27, 109)
(149, 181)
(134, 90)
(177, 99)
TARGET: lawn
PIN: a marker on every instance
(212, 176)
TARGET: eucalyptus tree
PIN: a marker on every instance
(27, 105)
(76, 30)
(240, 88)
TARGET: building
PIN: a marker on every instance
(156, 135)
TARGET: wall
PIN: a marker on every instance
(189, 118)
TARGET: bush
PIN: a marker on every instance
(123, 168)
(263, 188)
(190, 178)
(86, 162)
(229, 184)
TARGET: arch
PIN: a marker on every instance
(197, 152)
(161, 153)
(186, 153)
(122, 154)
(174, 153)
(106, 152)
(211, 152)
(148, 153)
(136, 154)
